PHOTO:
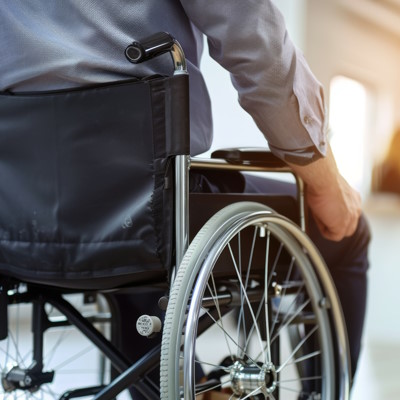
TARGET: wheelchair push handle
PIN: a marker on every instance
(154, 46)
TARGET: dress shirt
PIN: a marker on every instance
(61, 44)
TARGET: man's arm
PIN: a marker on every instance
(277, 88)
(335, 205)
(272, 78)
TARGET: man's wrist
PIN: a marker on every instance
(321, 175)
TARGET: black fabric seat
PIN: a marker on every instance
(86, 181)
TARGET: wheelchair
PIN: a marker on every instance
(249, 311)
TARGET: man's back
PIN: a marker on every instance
(72, 43)
(51, 45)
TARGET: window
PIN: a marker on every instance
(348, 122)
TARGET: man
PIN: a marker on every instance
(58, 44)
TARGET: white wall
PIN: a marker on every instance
(295, 12)
(340, 42)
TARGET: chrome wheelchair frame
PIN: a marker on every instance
(301, 300)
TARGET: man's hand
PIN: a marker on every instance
(336, 210)
(335, 205)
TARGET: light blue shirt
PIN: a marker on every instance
(60, 44)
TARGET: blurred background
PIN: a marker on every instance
(353, 48)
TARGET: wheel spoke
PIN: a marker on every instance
(259, 309)
(247, 335)
(230, 337)
(264, 294)
(215, 366)
(74, 357)
(283, 295)
(52, 351)
(241, 316)
(306, 379)
(18, 357)
(246, 297)
(300, 344)
(215, 300)
(305, 357)
(289, 317)
(266, 306)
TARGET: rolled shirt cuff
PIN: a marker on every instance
(303, 156)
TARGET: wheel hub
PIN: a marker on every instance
(25, 379)
(247, 378)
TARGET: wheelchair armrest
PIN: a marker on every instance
(259, 156)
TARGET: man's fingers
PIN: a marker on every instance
(326, 232)
(345, 228)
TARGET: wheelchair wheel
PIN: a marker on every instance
(253, 314)
(70, 360)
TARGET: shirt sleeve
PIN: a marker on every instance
(274, 83)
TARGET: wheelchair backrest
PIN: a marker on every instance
(87, 181)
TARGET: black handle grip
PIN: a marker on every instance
(149, 47)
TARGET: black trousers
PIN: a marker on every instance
(347, 261)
